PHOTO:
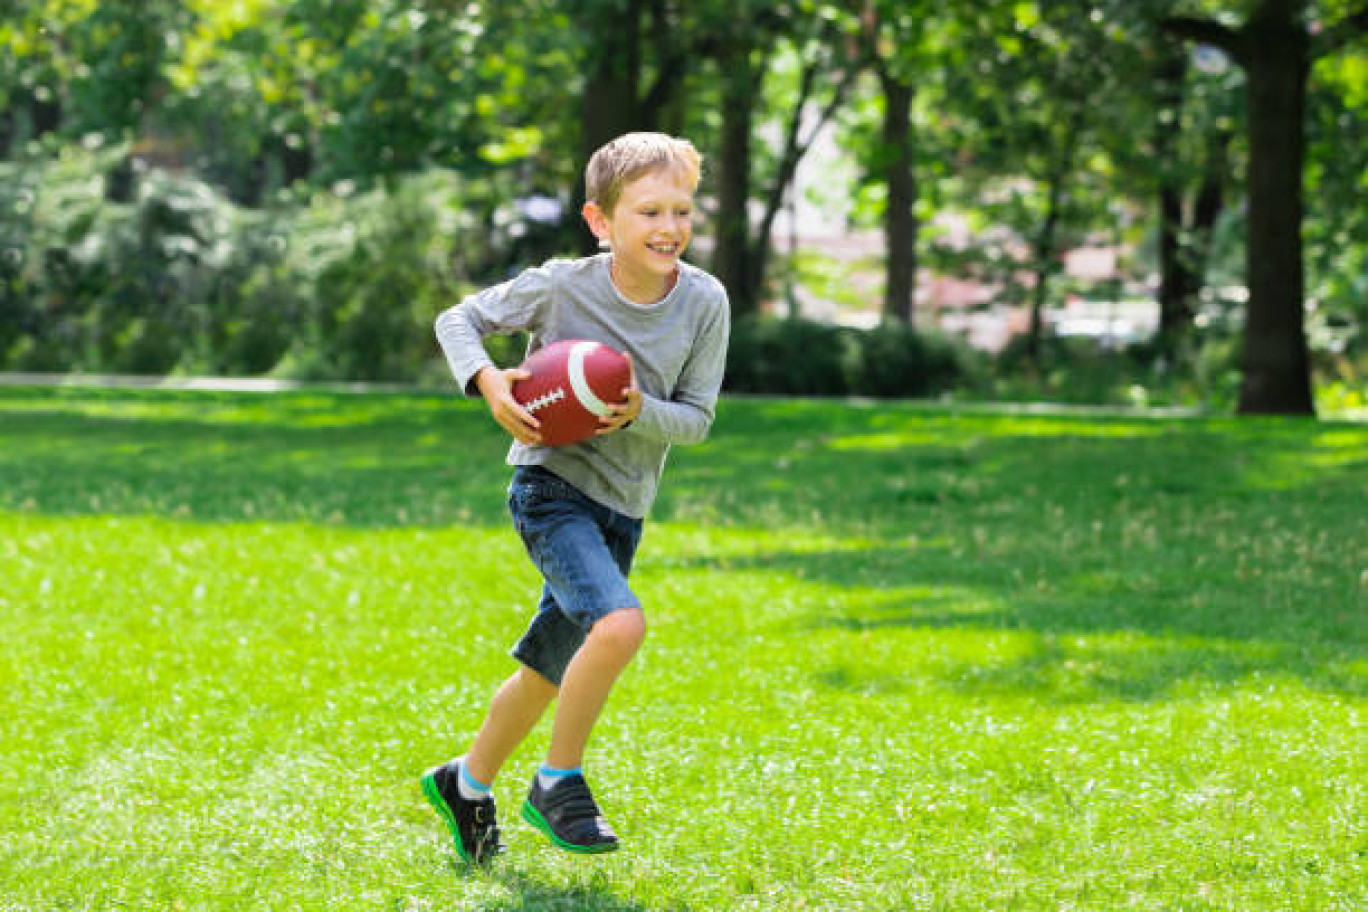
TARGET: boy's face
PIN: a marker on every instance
(650, 227)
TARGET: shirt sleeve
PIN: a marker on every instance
(687, 416)
(516, 305)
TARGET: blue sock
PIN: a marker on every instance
(548, 776)
(471, 788)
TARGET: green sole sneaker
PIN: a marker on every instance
(534, 817)
(434, 798)
(472, 824)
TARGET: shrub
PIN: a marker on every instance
(796, 357)
(172, 276)
(789, 357)
(896, 359)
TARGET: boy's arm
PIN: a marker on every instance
(688, 414)
(515, 305)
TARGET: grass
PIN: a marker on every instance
(901, 658)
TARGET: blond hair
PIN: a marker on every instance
(629, 156)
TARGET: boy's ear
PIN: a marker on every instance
(596, 219)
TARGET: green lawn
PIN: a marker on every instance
(901, 658)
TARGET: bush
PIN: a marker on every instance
(789, 357)
(795, 357)
(896, 359)
(171, 276)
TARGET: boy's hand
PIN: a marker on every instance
(497, 388)
(625, 412)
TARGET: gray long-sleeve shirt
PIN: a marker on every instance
(678, 348)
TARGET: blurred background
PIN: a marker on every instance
(1137, 202)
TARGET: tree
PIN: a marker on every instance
(1275, 48)
(892, 38)
(1192, 138)
(1036, 105)
(618, 64)
(743, 44)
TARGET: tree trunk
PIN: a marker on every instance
(609, 103)
(1045, 241)
(1044, 258)
(44, 116)
(1175, 317)
(794, 148)
(1184, 242)
(296, 162)
(1277, 377)
(900, 217)
(1274, 48)
(6, 132)
(732, 255)
(661, 106)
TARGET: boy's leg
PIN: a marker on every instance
(470, 813)
(513, 713)
(584, 552)
(589, 678)
(559, 802)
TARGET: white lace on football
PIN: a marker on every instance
(546, 399)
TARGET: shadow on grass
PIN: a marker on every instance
(405, 460)
(1139, 631)
(594, 893)
(1182, 550)
(393, 462)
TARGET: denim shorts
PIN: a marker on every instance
(584, 552)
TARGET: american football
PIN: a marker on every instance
(572, 384)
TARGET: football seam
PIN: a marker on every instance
(546, 399)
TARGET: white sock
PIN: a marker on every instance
(471, 789)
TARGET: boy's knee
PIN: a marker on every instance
(624, 629)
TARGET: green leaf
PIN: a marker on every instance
(1027, 16)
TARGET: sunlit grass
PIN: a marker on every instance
(901, 658)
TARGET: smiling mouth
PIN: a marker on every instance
(664, 249)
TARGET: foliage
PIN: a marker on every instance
(898, 360)
(1029, 658)
(797, 357)
(790, 357)
(374, 302)
(179, 279)
(1337, 265)
(227, 132)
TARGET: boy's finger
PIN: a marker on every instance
(523, 433)
(515, 408)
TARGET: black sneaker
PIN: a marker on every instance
(473, 826)
(567, 814)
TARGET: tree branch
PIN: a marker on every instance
(796, 146)
(1333, 37)
(1208, 32)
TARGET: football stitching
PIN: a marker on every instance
(544, 400)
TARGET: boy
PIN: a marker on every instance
(579, 508)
